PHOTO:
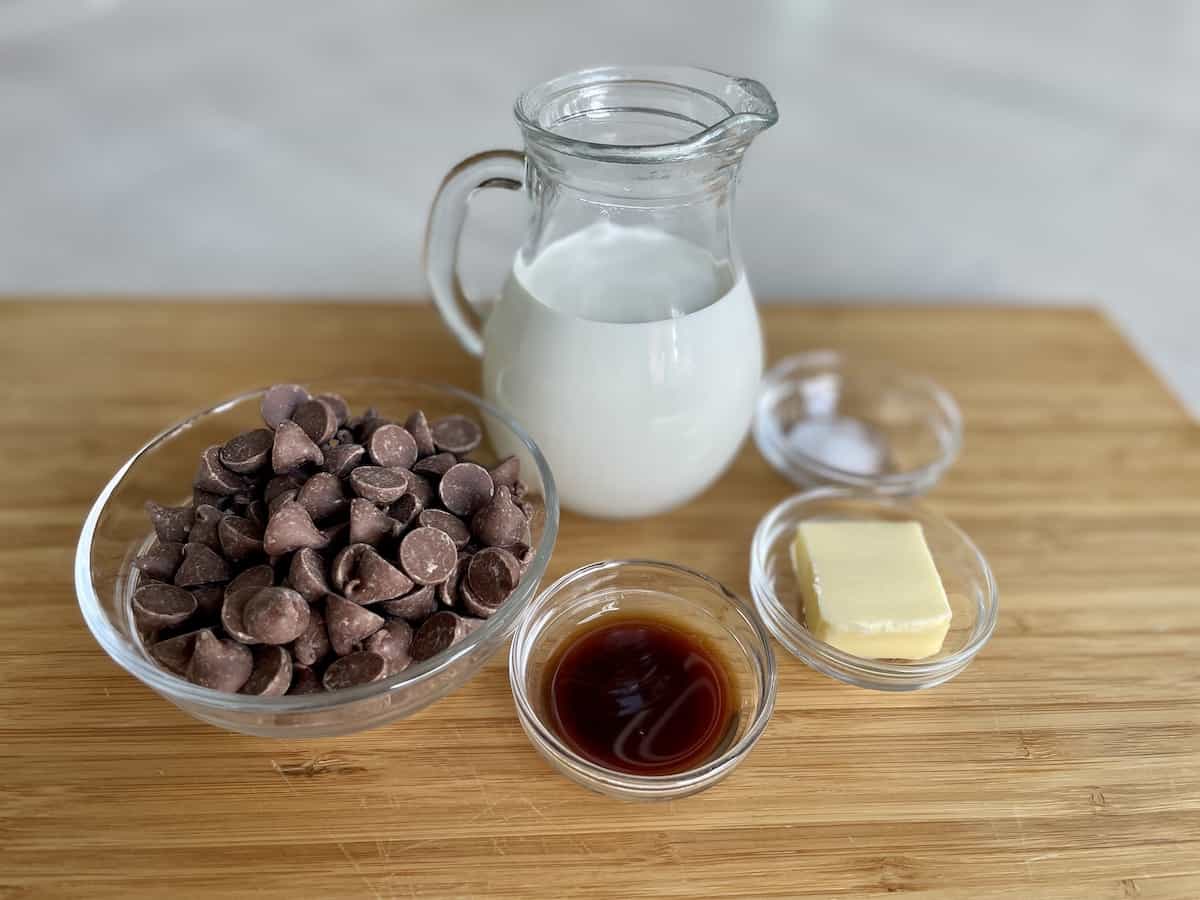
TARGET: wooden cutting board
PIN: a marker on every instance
(1065, 762)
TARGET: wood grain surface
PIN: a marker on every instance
(1065, 762)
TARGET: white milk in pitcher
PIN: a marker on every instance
(634, 361)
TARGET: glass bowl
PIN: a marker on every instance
(116, 530)
(704, 607)
(970, 588)
(822, 418)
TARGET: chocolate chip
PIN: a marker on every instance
(439, 632)
(527, 508)
(391, 446)
(337, 404)
(322, 496)
(368, 523)
(436, 465)
(357, 668)
(271, 675)
(421, 488)
(279, 485)
(201, 565)
(381, 485)
(233, 614)
(222, 665)
(447, 591)
(280, 401)
(413, 606)
(344, 458)
(375, 579)
(212, 476)
(348, 623)
(240, 538)
(275, 615)
(405, 511)
(465, 488)
(161, 561)
(428, 555)
(449, 523)
(317, 420)
(293, 448)
(304, 681)
(209, 598)
(252, 579)
(205, 526)
(171, 523)
(500, 523)
(290, 528)
(456, 434)
(158, 605)
(492, 575)
(345, 564)
(248, 452)
(418, 426)
(392, 642)
(257, 512)
(307, 574)
(506, 472)
(471, 604)
(175, 653)
(312, 645)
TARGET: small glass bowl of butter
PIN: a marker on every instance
(898, 604)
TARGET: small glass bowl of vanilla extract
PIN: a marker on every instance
(642, 680)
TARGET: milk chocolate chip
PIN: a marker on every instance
(275, 615)
(418, 426)
(291, 528)
(379, 484)
(413, 606)
(161, 561)
(306, 574)
(368, 523)
(392, 642)
(248, 452)
(159, 605)
(440, 631)
(428, 555)
(391, 446)
(348, 623)
(271, 675)
(316, 419)
(456, 434)
(201, 565)
(280, 401)
(465, 488)
(357, 668)
(293, 448)
(322, 496)
(222, 665)
(171, 523)
(375, 579)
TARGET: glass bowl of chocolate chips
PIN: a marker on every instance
(310, 560)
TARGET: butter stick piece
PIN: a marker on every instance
(871, 588)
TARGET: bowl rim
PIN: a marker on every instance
(582, 768)
(769, 436)
(176, 687)
(800, 642)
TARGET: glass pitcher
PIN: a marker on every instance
(626, 338)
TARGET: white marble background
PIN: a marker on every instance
(1015, 151)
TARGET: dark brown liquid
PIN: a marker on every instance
(640, 695)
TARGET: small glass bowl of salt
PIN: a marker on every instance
(823, 418)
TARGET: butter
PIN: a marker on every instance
(871, 588)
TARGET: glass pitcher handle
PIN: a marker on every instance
(492, 168)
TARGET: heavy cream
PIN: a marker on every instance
(633, 358)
